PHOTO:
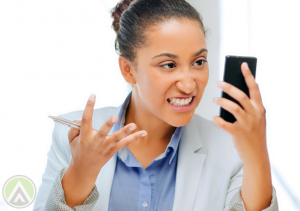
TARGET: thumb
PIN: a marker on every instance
(73, 132)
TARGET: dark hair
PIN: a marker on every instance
(133, 17)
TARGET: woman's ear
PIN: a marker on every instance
(126, 68)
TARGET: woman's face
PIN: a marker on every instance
(171, 72)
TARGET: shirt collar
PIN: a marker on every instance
(126, 156)
(174, 143)
(120, 123)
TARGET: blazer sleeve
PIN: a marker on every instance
(234, 201)
(56, 198)
(58, 158)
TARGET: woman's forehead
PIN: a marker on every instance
(176, 36)
(182, 37)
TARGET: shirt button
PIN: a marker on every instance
(145, 204)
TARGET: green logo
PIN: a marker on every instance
(19, 191)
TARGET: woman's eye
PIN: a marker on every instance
(169, 65)
(201, 62)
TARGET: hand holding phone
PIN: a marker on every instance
(248, 131)
(234, 76)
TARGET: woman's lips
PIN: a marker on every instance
(183, 107)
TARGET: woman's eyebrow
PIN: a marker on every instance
(175, 57)
(200, 52)
(167, 54)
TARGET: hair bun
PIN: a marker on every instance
(117, 13)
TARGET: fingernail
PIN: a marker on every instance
(144, 134)
(246, 66)
(215, 100)
(221, 84)
(131, 128)
(92, 97)
(114, 119)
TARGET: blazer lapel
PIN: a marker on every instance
(104, 183)
(189, 168)
(105, 179)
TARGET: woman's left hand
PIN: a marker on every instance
(249, 131)
(249, 137)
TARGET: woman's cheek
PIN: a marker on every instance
(202, 80)
(157, 82)
(152, 88)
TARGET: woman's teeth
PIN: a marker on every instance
(180, 102)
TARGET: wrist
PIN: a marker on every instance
(257, 161)
(77, 186)
(257, 183)
(83, 174)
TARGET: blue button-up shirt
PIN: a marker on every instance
(137, 189)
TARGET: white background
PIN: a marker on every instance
(54, 54)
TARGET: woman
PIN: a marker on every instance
(153, 152)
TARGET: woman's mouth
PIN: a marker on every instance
(181, 103)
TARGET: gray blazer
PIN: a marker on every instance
(208, 178)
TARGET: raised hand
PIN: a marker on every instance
(249, 131)
(91, 150)
(249, 137)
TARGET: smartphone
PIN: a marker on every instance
(234, 76)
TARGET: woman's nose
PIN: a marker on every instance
(186, 85)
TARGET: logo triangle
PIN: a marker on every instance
(19, 198)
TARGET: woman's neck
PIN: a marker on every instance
(159, 133)
(157, 130)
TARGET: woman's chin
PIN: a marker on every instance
(180, 121)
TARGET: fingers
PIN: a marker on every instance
(106, 127)
(237, 94)
(73, 132)
(227, 126)
(87, 115)
(252, 85)
(121, 138)
(122, 133)
(233, 108)
(129, 139)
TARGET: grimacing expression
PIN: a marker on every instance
(167, 83)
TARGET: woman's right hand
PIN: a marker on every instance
(91, 150)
